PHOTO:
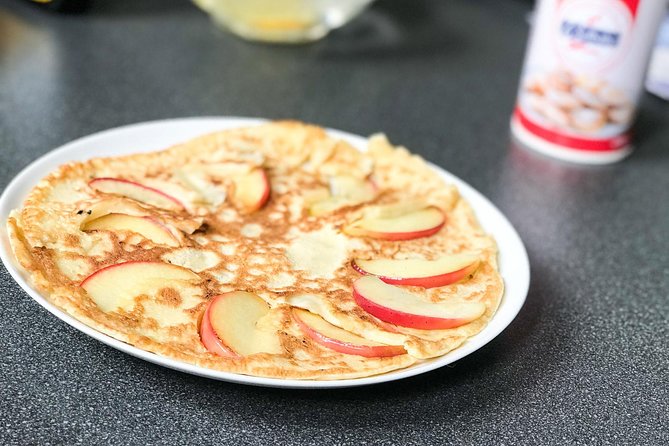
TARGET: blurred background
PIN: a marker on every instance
(114, 62)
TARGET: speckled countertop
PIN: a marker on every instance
(585, 362)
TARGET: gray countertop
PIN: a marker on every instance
(586, 360)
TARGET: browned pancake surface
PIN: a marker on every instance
(233, 250)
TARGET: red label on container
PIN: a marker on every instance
(632, 5)
(572, 142)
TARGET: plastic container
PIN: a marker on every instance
(657, 81)
(282, 21)
(584, 72)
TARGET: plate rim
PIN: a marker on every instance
(30, 175)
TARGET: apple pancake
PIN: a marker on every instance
(273, 250)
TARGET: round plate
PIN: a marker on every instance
(150, 136)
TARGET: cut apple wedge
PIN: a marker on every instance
(118, 285)
(147, 227)
(400, 307)
(418, 272)
(234, 321)
(136, 191)
(415, 224)
(209, 338)
(342, 341)
(251, 190)
(122, 205)
(113, 205)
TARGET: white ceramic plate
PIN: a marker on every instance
(514, 264)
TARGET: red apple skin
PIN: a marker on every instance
(385, 325)
(265, 197)
(405, 319)
(169, 197)
(368, 351)
(167, 230)
(395, 236)
(107, 268)
(425, 282)
(148, 218)
(375, 187)
(248, 207)
(209, 338)
(115, 265)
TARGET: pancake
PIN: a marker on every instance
(141, 248)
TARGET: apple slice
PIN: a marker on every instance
(122, 205)
(341, 340)
(415, 224)
(136, 191)
(397, 306)
(118, 285)
(147, 227)
(113, 205)
(209, 338)
(418, 272)
(234, 318)
(251, 190)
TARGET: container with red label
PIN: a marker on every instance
(583, 74)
